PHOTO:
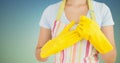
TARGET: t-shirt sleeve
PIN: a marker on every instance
(44, 22)
(107, 16)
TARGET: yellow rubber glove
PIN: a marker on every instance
(89, 30)
(65, 39)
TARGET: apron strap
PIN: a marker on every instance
(62, 6)
(92, 13)
(61, 9)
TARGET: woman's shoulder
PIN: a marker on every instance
(102, 12)
(100, 5)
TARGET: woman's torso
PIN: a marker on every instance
(81, 52)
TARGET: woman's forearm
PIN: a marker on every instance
(45, 35)
(109, 57)
(38, 55)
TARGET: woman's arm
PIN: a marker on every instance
(45, 35)
(109, 33)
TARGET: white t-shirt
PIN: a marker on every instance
(102, 13)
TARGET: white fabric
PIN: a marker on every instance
(102, 13)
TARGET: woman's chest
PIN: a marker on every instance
(75, 13)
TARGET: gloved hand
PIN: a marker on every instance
(65, 39)
(90, 30)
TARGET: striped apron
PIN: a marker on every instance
(82, 51)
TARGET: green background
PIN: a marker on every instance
(19, 28)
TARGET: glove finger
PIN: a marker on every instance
(67, 38)
(76, 35)
(74, 40)
(80, 27)
(85, 20)
(68, 27)
(68, 33)
(80, 30)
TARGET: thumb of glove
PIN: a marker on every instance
(68, 27)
